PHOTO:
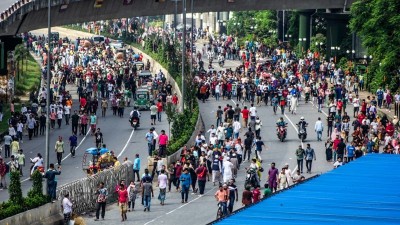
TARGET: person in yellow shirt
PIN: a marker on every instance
(14, 147)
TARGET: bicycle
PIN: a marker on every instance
(220, 212)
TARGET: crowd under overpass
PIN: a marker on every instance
(27, 15)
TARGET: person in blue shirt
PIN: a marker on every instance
(186, 181)
(73, 142)
(350, 152)
(370, 146)
(150, 139)
(379, 94)
(136, 167)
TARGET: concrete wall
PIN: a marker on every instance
(49, 214)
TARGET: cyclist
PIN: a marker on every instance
(222, 196)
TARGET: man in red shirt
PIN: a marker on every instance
(162, 141)
(245, 115)
(159, 109)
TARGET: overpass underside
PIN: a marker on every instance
(84, 10)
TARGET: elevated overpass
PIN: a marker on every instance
(26, 15)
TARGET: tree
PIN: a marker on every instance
(37, 186)
(377, 22)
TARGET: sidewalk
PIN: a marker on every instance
(389, 113)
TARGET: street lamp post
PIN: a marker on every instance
(183, 52)
(335, 49)
(48, 89)
(301, 47)
(367, 61)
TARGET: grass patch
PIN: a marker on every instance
(29, 78)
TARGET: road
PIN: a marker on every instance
(202, 209)
(118, 136)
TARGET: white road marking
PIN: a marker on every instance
(126, 144)
(80, 143)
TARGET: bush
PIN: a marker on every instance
(15, 190)
(11, 210)
(37, 186)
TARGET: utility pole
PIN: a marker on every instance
(48, 88)
(183, 53)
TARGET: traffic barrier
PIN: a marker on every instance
(82, 192)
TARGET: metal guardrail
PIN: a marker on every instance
(82, 191)
(397, 109)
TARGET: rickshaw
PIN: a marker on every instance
(144, 77)
(95, 160)
(143, 99)
(139, 65)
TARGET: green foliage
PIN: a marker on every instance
(16, 203)
(318, 38)
(37, 186)
(28, 71)
(182, 129)
(253, 26)
(15, 190)
(377, 22)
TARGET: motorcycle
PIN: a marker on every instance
(281, 133)
(39, 168)
(251, 178)
(302, 133)
(134, 123)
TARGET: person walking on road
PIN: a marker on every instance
(310, 155)
(104, 106)
(150, 141)
(153, 114)
(136, 168)
(163, 142)
(73, 143)
(319, 128)
(273, 177)
(162, 184)
(233, 195)
(122, 200)
(201, 172)
(50, 175)
(300, 153)
(59, 149)
(74, 122)
(7, 145)
(247, 196)
(222, 197)
(102, 194)
(147, 193)
(186, 181)
(132, 192)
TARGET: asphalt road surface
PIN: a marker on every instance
(202, 209)
(118, 136)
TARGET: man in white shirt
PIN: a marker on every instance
(356, 104)
(213, 139)
(236, 128)
(211, 131)
(319, 127)
(253, 112)
(67, 112)
(67, 208)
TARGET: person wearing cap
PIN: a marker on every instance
(216, 169)
(186, 181)
(227, 168)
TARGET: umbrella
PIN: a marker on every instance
(136, 56)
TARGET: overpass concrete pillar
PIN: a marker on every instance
(212, 21)
(198, 20)
(336, 31)
(205, 21)
(304, 31)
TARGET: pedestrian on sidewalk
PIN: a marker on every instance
(162, 184)
(123, 201)
(186, 181)
(101, 201)
(147, 193)
(67, 208)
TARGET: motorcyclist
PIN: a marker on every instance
(135, 114)
(302, 124)
(280, 123)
